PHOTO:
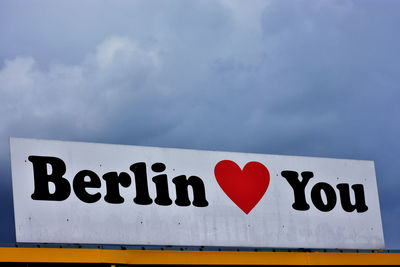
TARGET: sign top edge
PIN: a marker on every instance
(185, 149)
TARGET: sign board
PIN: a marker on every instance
(73, 192)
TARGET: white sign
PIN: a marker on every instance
(72, 192)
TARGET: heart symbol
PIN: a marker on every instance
(244, 187)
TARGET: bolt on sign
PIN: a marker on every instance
(73, 192)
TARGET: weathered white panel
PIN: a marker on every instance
(272, 222)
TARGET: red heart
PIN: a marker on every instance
(245, 188)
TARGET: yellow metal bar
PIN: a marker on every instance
(65, 255)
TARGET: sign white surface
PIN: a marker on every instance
(89, 213)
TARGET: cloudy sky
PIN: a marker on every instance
(309, 78)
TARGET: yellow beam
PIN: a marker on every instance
(66, 255)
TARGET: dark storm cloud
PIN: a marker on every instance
(314, 78)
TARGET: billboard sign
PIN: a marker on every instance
(74, 192)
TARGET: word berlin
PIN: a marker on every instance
(323, 195)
